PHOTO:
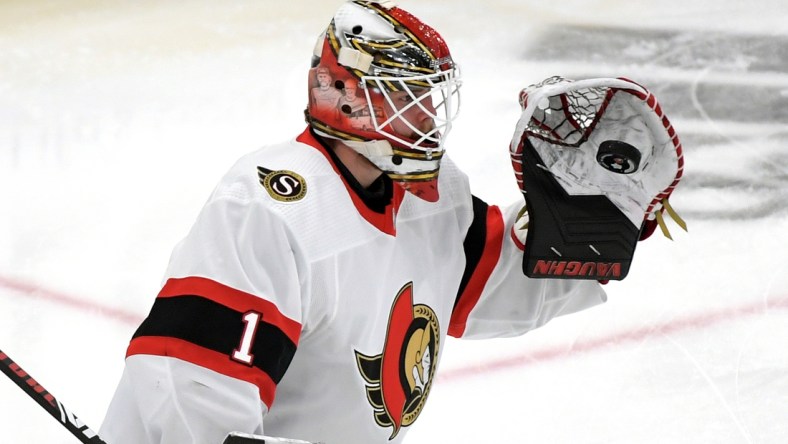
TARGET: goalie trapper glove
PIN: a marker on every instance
(596, 161)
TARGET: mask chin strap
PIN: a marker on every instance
(371, 148)
(381, 154)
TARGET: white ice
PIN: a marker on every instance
(117, 118)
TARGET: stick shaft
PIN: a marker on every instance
(47, 401)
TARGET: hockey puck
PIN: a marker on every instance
(618, 156)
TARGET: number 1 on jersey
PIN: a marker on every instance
(251, 321)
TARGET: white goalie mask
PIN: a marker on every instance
(385, 84)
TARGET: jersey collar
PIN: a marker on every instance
(384, 220)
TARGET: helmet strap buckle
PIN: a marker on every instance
(355, 59)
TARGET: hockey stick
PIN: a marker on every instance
(74, 425)
(47, 401)
(245, 438)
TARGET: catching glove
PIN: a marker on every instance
(596, 161)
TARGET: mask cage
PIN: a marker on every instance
(436, 95)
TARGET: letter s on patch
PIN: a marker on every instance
(282, 185)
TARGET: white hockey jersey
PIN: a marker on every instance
(292, 309)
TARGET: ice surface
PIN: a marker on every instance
(117, 119)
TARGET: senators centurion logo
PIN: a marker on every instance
(282, 185)
(399, 379)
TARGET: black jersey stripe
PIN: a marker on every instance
(474, 243)
(208, 324)
(482, 256)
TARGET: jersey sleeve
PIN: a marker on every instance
(224, 327)
(495, 298)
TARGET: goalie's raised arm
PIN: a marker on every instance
(596, 161)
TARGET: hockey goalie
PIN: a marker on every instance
(313, 296)
(596, 161)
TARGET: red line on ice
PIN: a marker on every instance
(688, 323)
(36, 291)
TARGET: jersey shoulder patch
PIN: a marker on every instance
(282, 185)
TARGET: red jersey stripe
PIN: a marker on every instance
(235, 299)
(493, 245)
(203, 357)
